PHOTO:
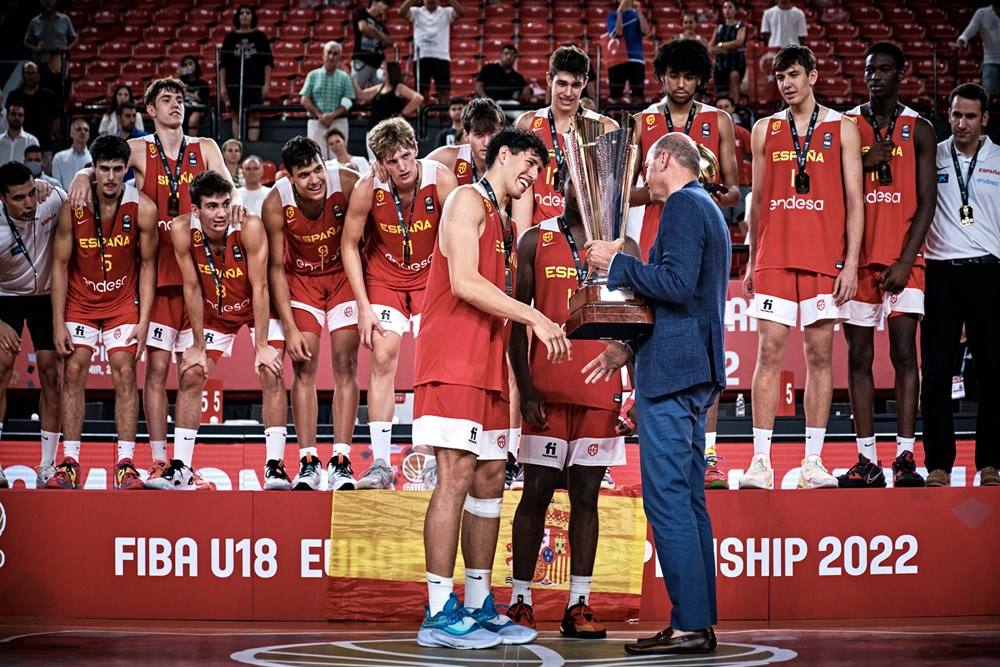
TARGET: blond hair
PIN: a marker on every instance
(390, 136)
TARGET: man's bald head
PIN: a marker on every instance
(681, 148)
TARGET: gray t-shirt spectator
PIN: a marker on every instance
(53, 33)
(784, 26)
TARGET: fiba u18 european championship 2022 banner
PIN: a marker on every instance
(377, 569)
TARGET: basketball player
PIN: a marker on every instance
(304, 218)
(27, 228)
(898, 149)
(568, 425)
(164, 163)
(224, 268)
(684, 67)
(482, 118)
(397, 219)
(98, 293)
(460, 403)
(806, 224)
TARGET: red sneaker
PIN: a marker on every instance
(521, 613)
(714, 477)
(67, 475)
(127, 477)
(579, 623)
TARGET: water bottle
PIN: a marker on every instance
(741, 406)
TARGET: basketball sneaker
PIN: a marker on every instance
(812, 475)
(3, 479)
(339, 474)
(275, 477)
(522, 613)
(43, 474)
(155, 472)
(759, 475)
(579, 623)
(379, 476)
(308, 478)
(904, 471)
(453, 627)
(127, 477)
(714, 477)
(429, 474)
(513, 474)
(863, 475)
(178, 477)
(510, 632)
(67, 475)
(607, 482)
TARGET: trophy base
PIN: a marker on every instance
(597, 313)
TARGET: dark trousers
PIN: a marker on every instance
(632, 72)
(968, 294)
(440, 71)
(672, 461)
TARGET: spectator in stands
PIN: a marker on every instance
(689, 29)
(126, 116)
(197, 93)
(41, 106)
(453, 134)
(109, 121)
(15, 139)
(986, 23)
(390, 98)
(252, 192)
(67, 162)
(630, 23)
(337, 145)
(33, 161)
(729, 49)
(783, 25)
(249, 49)
(50, 37)
(232, 155)
(371, 37)
(744, 162)
(500, 81)
(328, 94)
(431, 41)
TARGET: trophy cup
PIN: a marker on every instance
(602, 166)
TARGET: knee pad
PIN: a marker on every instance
(487, 508)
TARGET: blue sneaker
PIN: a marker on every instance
(510, 632)
(453, 627)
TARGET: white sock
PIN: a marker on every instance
(477, 587)
(866, 447)
(343, 449)
(274, 442)
(303, 451)
(439, 589)
(579, 587)
(381, 437)
(710, 437)
(519, 587)
(50, 443)
(71, 448)
(762, 441)
(814, 441)
(159, 449)
(904, 445)
(184, 444)
(126, 449)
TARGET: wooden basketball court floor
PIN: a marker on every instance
(31, 642)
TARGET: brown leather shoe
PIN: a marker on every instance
(938, 478)
(989, 476)
(665, 642)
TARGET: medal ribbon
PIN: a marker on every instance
(964, 183)
(399, 213)
(670, 121)
(173, 179)
(216, 274)
(802, 153)
(564, 228)
(101, 243)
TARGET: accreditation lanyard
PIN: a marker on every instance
(215, 272)
(508, 235)
(670, 121)
(580, 267)
(403, 229)
(801, 154)
(965, 214)
(173, 178)
(884, 171)
(557, 183)
(99, 227)
(18, 241)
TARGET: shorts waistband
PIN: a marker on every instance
(982, 259)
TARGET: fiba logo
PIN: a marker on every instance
(3, 524)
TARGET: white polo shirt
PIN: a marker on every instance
(948, 238)
(31, 275)
(432, 31)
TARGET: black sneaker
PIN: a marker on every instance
(339, 474)
(275, 477)
(904, 471)
(512, 472)
(308, 478)
(863, 475)
(579, 622)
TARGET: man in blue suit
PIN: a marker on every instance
(679, 369)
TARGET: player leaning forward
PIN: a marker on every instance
(461, 386)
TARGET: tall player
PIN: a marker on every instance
(98, 293)
(899, 151)
(164, 163)
(806, 224)
(224, 268)
(304, 219)
(460, 401)
(482, 118)
(397, 219)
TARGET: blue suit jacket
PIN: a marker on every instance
(685, 282)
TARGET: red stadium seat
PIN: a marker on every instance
(834, 15)
(270, 169)
(535, 29)
(466, 29)
(828, 67)
(104, 17)
(851, 48)
(535, 47)
(567, 15)
(493, 45)
(325, 32)
(833, 86)
(821, 47)
(905, 32)
(841, 31)
(865, 12)
(76, 69)
(267, 16)
(294, 31)
(88, 90)
(666, 12)
(465, 67)
(116, 49)
(898, 15)
(194, 33)
(464, 48)
(539, 12)
(84, 51)
(302, 15)
(288, 49)
(925, 67)
(285, 69)
(102, 69)
(876, 31)
(499, 14)
(160, 32)
(967, 67)
(138, 69)
(333, 14)
(170, 16)
(815, 31)
(853, 67)
(137, 16)
(941, 31)
(911, 87)
(203, 16)
(919, 48)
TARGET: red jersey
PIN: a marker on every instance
(388, 264)
(312, 247)
(743, 142)
(549, 202)
(889, 209)
(458, 343)
(465, 167)
(104, 282)
(806, 232)
(156, 186)
(234, 307)
(555, 282)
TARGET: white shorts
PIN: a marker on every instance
(576, 436)
(340, 316)
(114, 337)
(395, 321)
(221, 343)
(461, 417)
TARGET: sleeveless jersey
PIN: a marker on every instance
(312, 247)
(889, 209)
(464, 165)
(805, 232)
(156, 186)
(104, 283)
(387, 264)
(555, 282)
(458, 343)
(548, 202)
(235, 307)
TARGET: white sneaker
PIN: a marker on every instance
(339, 475)
(308, 477)
(429, 474)
(43, 473)
(759, 475)
(379, 476)
(812, 475)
